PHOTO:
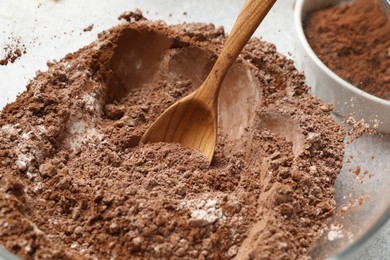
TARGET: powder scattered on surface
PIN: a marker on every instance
(88, 28)
(12, 51)
(76, 184)
(356, 129)
(353, 40)
(335, 232)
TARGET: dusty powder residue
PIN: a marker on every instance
(353, 40)
(76, 184)
(88, 28)
(12, 51)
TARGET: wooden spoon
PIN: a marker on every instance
(192, 121)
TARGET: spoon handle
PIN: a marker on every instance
(250, 17)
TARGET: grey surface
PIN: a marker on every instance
(50, 29)
(378, 247)
(5, 255)
(386, 3)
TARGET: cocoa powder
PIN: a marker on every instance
(76, 184)
(353, 40)
(12, 51)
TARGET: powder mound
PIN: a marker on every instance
(76, 184)
(353, 40)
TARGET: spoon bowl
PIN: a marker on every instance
(189, 122)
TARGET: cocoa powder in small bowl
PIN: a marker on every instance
(76, 184)
(353, 40)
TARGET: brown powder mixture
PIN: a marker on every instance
(76, 184)
(353, 40)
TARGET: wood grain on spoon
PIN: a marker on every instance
(192, 121)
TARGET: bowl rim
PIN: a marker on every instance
(356, 245)
(298, 15)
(387, 4)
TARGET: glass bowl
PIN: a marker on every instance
(53, 28)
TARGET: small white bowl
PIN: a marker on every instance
(329, 87)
